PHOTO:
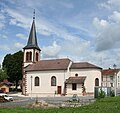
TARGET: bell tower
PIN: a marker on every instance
(31, 53)
(31, 50)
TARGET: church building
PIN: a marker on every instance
(56, 76)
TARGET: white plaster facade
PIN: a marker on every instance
(91, 75)
(45, 88)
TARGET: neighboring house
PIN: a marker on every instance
(5, 86)
(108, 77)
(56, 76)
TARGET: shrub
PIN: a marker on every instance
(101, 94)
(112, 93)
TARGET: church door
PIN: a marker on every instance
(59, 90)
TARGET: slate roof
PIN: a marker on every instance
(45, 65)
(32, 41)
(109, 71)
(77, 80)
(84, 65)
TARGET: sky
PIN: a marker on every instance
(82, 30)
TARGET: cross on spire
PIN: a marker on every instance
(34, 15)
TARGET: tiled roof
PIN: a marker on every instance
(84, 65)
(59, 64)
(77, 80)
(45, 65)
(110, 71)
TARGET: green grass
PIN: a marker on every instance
(106, 105)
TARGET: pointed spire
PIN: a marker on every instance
(32, 41)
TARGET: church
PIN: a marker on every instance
(56, 77)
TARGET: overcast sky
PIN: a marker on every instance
(83, 30)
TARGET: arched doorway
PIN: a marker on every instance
(96, 82)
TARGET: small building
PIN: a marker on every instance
(109, 76)
(4, 88)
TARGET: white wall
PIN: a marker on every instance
(78, 91)
(45, 82)
(91, 75)
(33, 56)
(118, 79)
(45, 88)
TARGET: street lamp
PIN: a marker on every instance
(31, 86)
(115, 81)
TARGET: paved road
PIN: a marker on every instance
(24, 101)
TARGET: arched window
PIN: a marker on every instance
(36, 56)
(96, 82)
(30, 58)
(27, 55)
(36, 81)
(53, 81)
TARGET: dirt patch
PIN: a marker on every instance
(42, 104)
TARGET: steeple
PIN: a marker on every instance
(32, 41)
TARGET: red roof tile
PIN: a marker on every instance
(84, 65)
(54, 64)
(109, 71)
(78, 80)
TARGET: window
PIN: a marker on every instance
(111, 84)
(111, 78)
(76, 75)
(36, 81)
(36, 56)
(53, 81)
(74, 86)
(118, 79)
(96, 82)
(29, 56)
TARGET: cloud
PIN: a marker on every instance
(3, 36)
(115, 17)
(17, 18)
(18, 45)
(80, 47)
(21, 36)
(2, 21)
(67, 5)
(109, 4)
(100, 24)
(51, 51)
(4, 47)
(108, 34)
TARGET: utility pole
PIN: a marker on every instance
(115, 81)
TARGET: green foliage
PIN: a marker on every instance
(13, 65)
(112, 93)
(101, 94)
(3, 74)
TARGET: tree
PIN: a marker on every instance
(13, 65)
(3, 75)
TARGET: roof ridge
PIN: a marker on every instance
(55, 59)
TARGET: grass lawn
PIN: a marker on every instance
(107, 105)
